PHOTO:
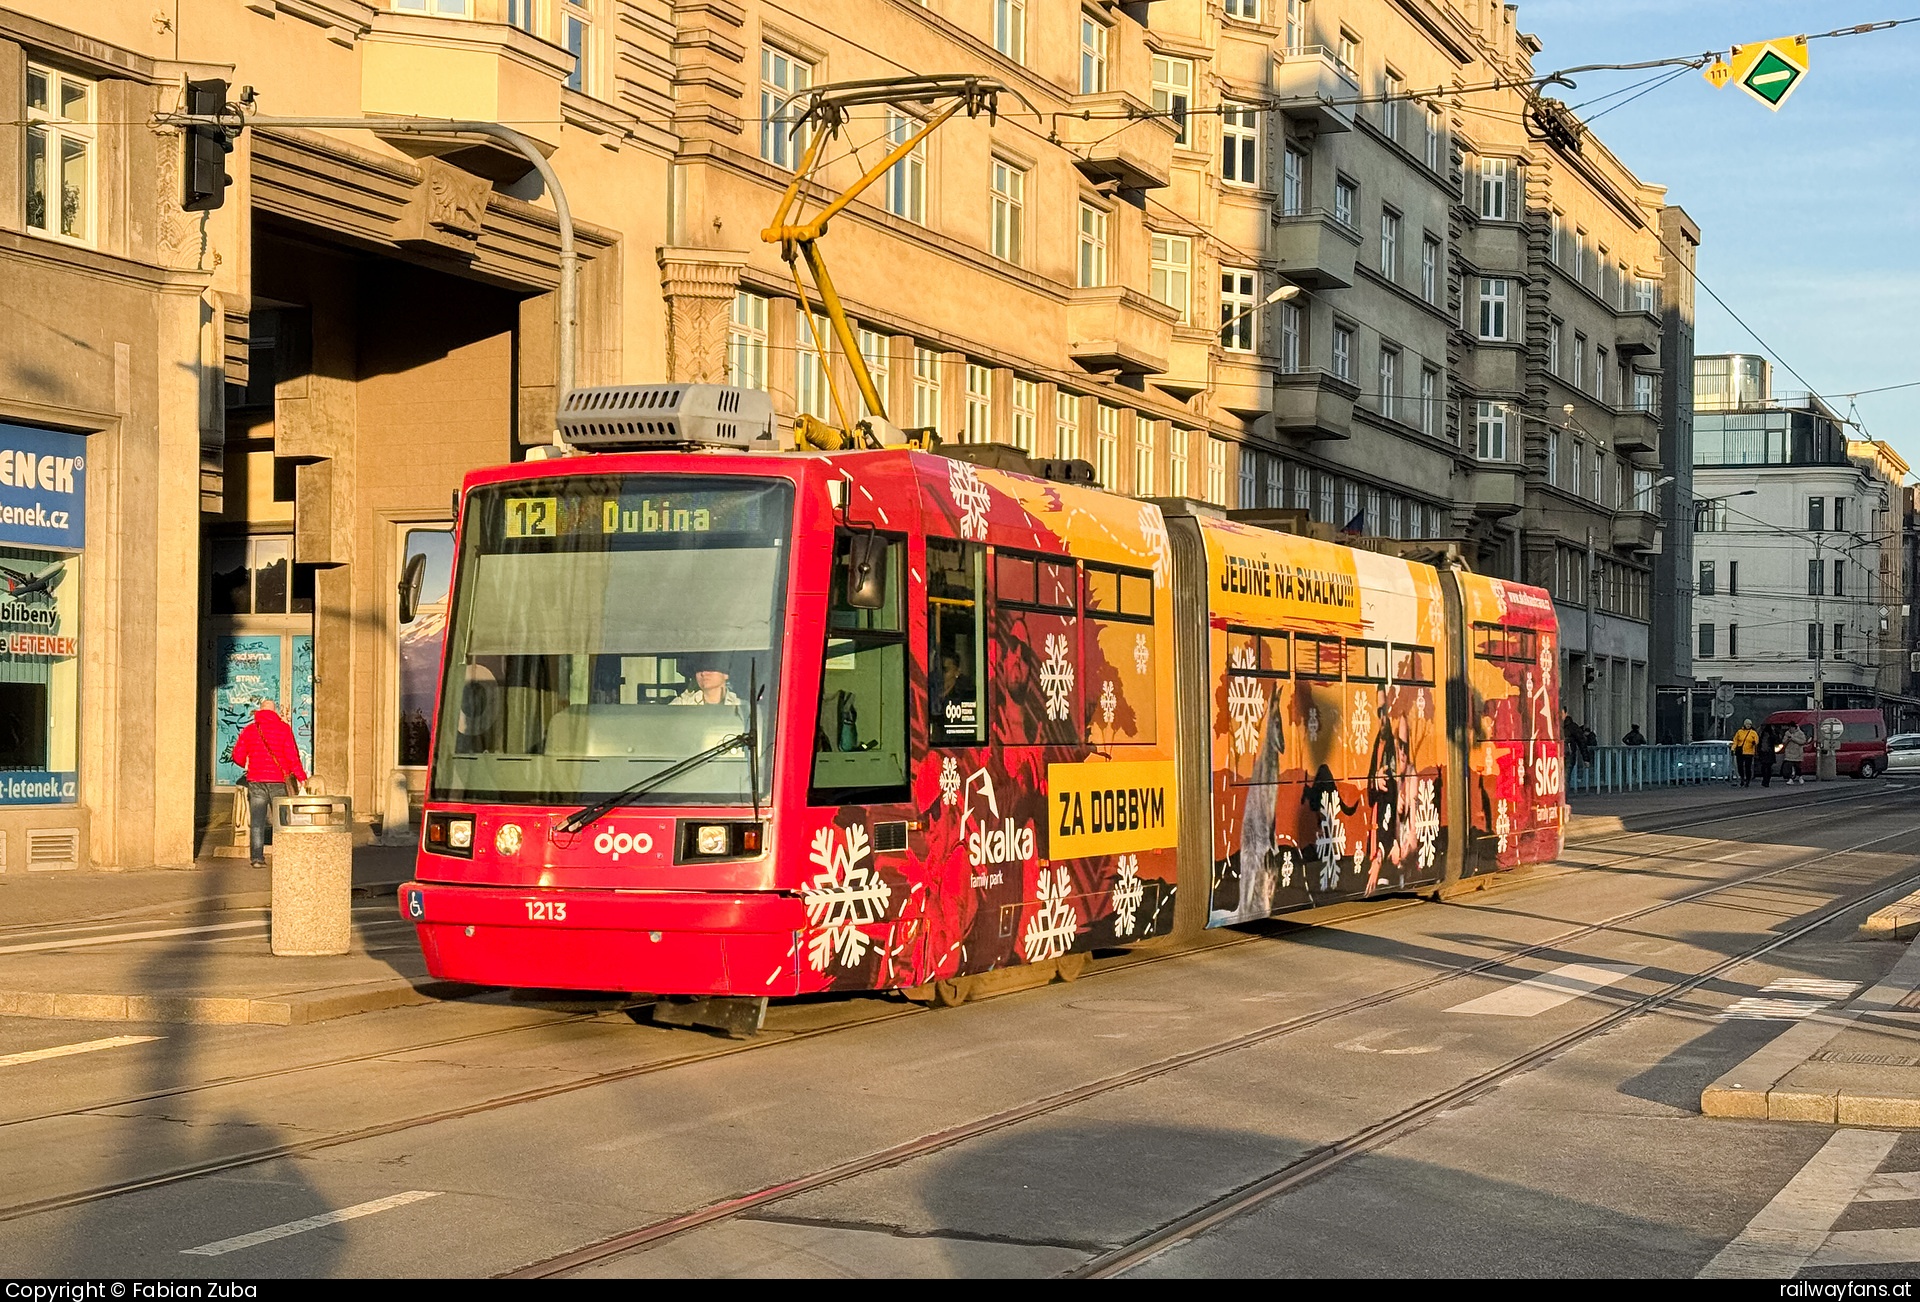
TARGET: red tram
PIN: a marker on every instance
(742, 724)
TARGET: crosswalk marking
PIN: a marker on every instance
(1790, 1229)
(220, 1247)
(1811, 994)
(257, 924)
(67, 1050)
(1891, 1187)
(1867, 1248)
(1548, 990)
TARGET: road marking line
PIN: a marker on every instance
(1548, 990)
(67, 1050)
(1892, 1187)
(1790, 1229)
(121, 940)
(1818, 987)
(1752, 1008)
(1868, 1248)
(221, 1247)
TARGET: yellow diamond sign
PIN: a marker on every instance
(1718, 73)
(1770, 70)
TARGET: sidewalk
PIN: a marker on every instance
(1655, 809)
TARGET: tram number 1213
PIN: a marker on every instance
(531, 517)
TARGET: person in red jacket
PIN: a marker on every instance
(266, 749)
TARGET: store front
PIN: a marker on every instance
(42, 533)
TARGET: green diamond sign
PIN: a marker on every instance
(1772, 71)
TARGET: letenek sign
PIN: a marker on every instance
(43, 488)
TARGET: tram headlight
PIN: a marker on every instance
(712, 838)
(460, 833)
(450, 834)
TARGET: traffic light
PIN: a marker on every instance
(205, 172)
(1593, 675)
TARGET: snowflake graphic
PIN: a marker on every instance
(1547, 659)
(1127, 894)
(1502, 825)
(1313, 724)
(842, 897)
(1419, 705)
(1056, 676)
(1436, 620)
(1050, 932)
(970, 497)
(1331, 841)
(1426, 821)
(1153, 534)
(1286, 869)
(949, 781)
(1107, 701)
(1246, 704)
(1140, 653)
(1359, 729)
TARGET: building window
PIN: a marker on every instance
(1816, 643)
(1142, 457)
(875, 351)
(1556, 230)
(1839, 640)
(1574, 463)
(1429, 400)
(1093, 246)
(1009, 206)
(1646, 295)
(1389, 369)
(1236, 309)
(1178, 440)
(520, 13)
(1816, 579)
(1599, 474)
(1600, 374)
(747, 342)
(809, 363)
(1839, 580)
(1391, 89)
(1172, 263)
(1705, 588)
(1289, 338)
(926, 388)
(781, 78)
(1343, 352)
(445, 8)
(1579, 358)
(1239, 144)
(1733, 640)
(1490, 431)
(1553, 457)
(1350, 516)
(1348, 51)
(1106, 445)
(1733, 578)
(979, 426)
(1217, 471)
(1066, 426)
(1436, 136)
(1430, 269)
(1706, 642)
(1346, 196)
(1389, 243)
(1093, 55)
(1642, 391)
(1393, 518)
(1247, 9)
(906, 180)
(1493, 308)
(1816, 514)
(1010, 28)
(1296, 25)
(1580, 254)
(1173, 91)
(1493, 189)
(1249, 477)
(576, 33)
(1302, 489)
(60, 135)
(1026, 413)
(1839, 513)
(1553, 345)
(1710, 516)
(1293, 182)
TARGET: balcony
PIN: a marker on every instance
(1636, 431)
(1138, 155)
(1636, 531)
(1496, 488)
(1638, 334)
(1112, 328)
(1313, 405)
(1313, 250)
(1242, 382)
(1311, 86)
(415, 65)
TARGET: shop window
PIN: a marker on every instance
(956, 607)
(1037, 658)
(860, 735)
(39, 676)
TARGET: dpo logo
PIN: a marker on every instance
(619, 843)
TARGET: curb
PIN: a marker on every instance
(1898, 921)
(297, 1008)
(1591, 827)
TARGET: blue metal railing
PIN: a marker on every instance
(1634, 768)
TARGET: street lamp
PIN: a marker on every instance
(1279, 295)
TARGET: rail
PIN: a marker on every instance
(1634, 768)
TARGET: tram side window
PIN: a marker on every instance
(1121, 691)
(1366, 662)
(956, 606)
(860, 735)
(1036, 640)
(1259, 659)
(1490, 641)
(1320, 659)
(1412, 665)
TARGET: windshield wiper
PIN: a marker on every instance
(580, 819)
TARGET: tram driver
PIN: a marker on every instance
(709, 676)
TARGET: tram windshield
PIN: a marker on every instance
(604, 629)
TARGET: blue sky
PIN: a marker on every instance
(1808, 216)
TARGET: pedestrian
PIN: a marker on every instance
(1745, 742)
(266, 749)
(1589, 743)
(1793, 749)
(1765, 752)
(1634, 737)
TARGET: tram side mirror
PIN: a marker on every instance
(866, 571)
(411, 578)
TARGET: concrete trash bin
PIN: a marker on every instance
(312, 875)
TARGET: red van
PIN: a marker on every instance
(1863, 742)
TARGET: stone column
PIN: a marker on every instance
(699, 286)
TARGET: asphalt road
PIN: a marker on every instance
(1415, 1084)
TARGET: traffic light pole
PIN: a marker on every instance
(569, 259)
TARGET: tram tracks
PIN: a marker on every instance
(711, 1052)
(1310, 1166)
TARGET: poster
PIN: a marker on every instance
(300, 695)
(245, 669)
